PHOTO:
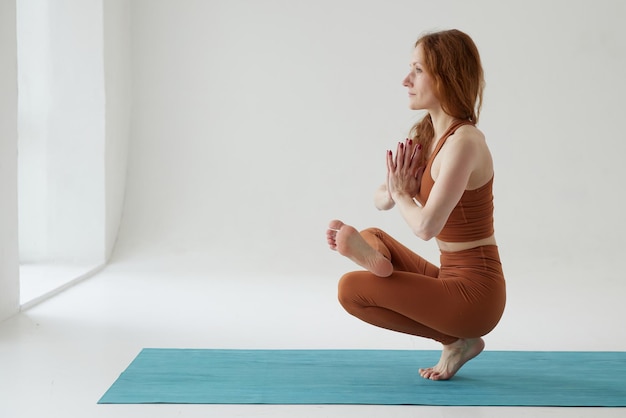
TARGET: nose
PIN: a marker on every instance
(407, 81)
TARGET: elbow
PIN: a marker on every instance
(382, 201)
(426, 231)
(424, 235)
(384, 205)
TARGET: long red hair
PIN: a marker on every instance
(452, 59)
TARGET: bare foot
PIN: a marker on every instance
(331, 233)
(453, 357)
(346, 240)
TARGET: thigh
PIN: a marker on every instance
(422, 298)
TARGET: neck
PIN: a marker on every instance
(441, 122)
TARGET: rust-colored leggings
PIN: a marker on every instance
(464, 298)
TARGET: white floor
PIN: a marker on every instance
(40, 281)
(58, 357)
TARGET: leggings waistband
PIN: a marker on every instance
(484, 258)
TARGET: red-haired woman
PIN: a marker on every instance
(440, 179)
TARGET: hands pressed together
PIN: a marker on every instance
(403, 173)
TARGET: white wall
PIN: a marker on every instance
(255, 122)
(9, 274)
(33, 27)
(74, 126)
(67, 212)
(61, 129)
(117, 71)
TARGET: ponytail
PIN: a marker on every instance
(422, 133)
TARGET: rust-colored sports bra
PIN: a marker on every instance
(472, 217)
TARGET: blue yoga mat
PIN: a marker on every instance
(381, 377)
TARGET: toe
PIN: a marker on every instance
(335, 224)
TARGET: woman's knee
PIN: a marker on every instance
(351, 289)
(377, 239)
(347, 289)
(373, 231)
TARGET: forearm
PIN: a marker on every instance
(382, 199)
(415, 216)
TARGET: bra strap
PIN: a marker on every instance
(451, 130)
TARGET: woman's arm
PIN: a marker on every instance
(382, 198)
(457, 162)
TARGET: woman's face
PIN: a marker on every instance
(419, 83)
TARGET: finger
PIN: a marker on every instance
(416, 151)
(407, 154)
(400, 156)
(390, 162)
(419, 174)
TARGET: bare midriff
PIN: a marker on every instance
(460, 246)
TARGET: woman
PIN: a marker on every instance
(441, 181)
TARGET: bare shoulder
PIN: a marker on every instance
(468, 135)
(468, 148)
(467, 141)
